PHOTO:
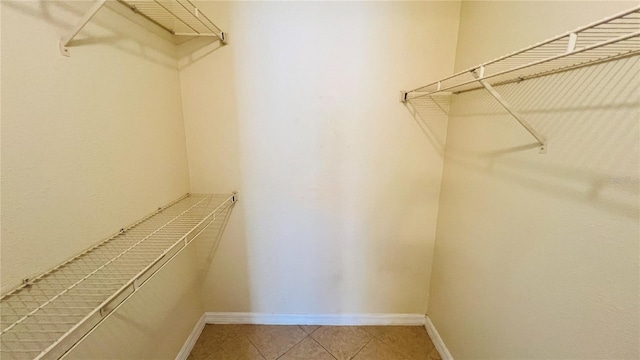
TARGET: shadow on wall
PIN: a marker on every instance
(208, 241)
(149, 315)
(431, 113)
(207, 69)
(108, 27)
(196, 49)
(590, 119)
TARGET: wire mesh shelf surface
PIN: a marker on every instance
(611, 38)
(47, 316)
(179, 17)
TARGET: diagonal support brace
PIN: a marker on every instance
(541, 139)
(64, 42)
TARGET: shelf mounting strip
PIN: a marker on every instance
(178, 17)
(609, 39)
(46, 316)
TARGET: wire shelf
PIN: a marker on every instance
(608, 39)
(47, 316)
(179, 17)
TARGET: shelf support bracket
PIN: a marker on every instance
(403, 96)
(64, 42)
(541, 139)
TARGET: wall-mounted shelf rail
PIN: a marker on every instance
(608, 39)
(49, 314)
(178, 17)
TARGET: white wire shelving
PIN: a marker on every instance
(49, 314)
(178, 17)
(611, 38)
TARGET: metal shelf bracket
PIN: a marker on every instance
(609, 39)
(179, 18)
(64, 42)
(403, 96)
(479, 74)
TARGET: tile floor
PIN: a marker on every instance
(305, 342)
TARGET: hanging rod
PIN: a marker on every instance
(51, 313)
(178, 17)
(608, 39)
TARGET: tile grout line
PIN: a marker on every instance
(373, 336)
(254, 345)
(322, 346)
(365, 345)
(318, 328)
(296, 344)
(300, 327)
(397, 351)
(370, 333)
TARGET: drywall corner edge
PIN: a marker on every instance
(437, 340)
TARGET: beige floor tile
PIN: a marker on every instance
(228, 330)
(274, 340)
(307, 349)
(434, 355)
(236, 348)
(343, 342)
(412, 342)
(213, 337)
(377, 350)
(309, 328)
(260, 342)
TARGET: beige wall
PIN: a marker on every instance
(536, 256)
(338, 183)
(91, 143)
(155, 322)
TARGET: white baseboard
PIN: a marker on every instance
(191, 340)
(313, 319)
(437, 340)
